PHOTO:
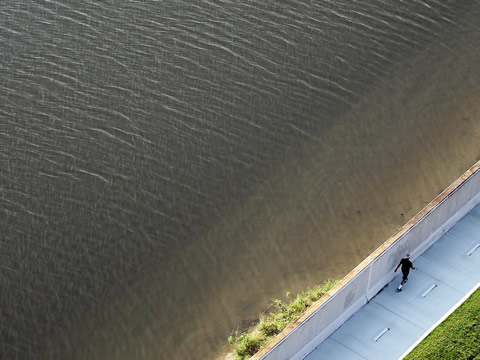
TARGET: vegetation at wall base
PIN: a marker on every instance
(457, 338)
(246, 344)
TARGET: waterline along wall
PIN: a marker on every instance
(373, 273)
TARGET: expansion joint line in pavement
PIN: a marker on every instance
(346, 347)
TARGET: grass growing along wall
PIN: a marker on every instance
(456, 338)
(246, 344)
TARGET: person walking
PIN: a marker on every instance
(406, 266)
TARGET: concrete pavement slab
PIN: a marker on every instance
(330, 349)
(375, 332)
(452, 252)
(423, 301)
(455, 278)
(467, 228)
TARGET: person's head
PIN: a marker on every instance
(407, 256)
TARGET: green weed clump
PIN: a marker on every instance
(246, 344)
(457, 338)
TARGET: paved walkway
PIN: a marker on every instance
(392, 322)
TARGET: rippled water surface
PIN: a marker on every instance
(168, 167)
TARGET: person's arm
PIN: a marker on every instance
(414, 268)
(400, 263)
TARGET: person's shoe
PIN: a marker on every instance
(398, 290)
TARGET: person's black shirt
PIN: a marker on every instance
(406, 265)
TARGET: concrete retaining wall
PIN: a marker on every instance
(370, 276)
